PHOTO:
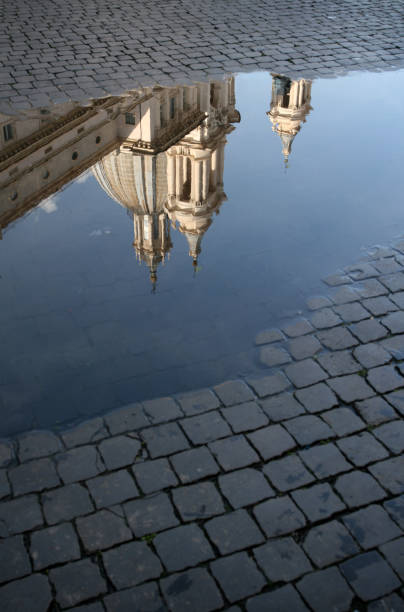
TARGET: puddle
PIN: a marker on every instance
(147, 238)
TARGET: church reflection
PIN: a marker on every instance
(290, 105)
(184, 183)
(158, 152)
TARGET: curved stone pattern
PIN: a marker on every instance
(221, 496)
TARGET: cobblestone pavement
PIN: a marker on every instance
(281, 493)
(56, 51)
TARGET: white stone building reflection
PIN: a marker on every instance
(290, 105)
(169, 166)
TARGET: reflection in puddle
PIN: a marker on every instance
(80, 331)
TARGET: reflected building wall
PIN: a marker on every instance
(290, 105)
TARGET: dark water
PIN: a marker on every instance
(83, 332)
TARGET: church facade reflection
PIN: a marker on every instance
(290, 105)
(158, 152)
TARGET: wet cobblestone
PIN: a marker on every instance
(155, 503)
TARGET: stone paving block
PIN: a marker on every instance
(326, 590)
(102, 530)
(337, 339)
(244, 487)
(150, 514)
(361, 271)
(79, 464)
(272, 356)
(18, 515)
(395, 507)
(318, 502)
(119, 451)
(385, 378)
(394, 553)
(162, 410)
(205, 428)
(298, 328)
(54, 545)
(245, 417)
(183, 547)
(282, 560)
(395, 346)
(362, 449)
(325, 318)
(272, 441)
(92, 607)
(376, 410)
(184, 591)
(155, 475)
(267, 336)
(280, 407)
(112, 488)
(392, 436)
(303, 347)
(31, 594)
(370, 576)
(397, 400)
(325, 460)
(164, 439)
(279, 516)
(387, 265)
(14, 560)
(145, 597)
(7, 454)
(305, 373)
(343, 421)
(128, 418)
(317, 397)
(339, 363)
(198, 501)
(371, 526)
(36, 444)
(358, 489)
(379, 305)
(398, 299)
(351, 388)
(238, 576)
(345, 295)
(194, 464)
(308, 429)
(351, 313)
(85, 433)
(34, 476)
(233, 531)
(393, 282)
(198, 401)
(371, 355)
(391, 602)
(329, 543)
(390, 474)
(269, 385)
(371, 288)
(130, 564)
(287, 473)
(284, 599)
(233, 453)
(233, 392)
(65, 503)
(76, 582)
(317, 302)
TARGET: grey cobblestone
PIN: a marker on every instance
(350, 388)
(18, 515)
(155, 475)
(183, 547)
(343, 421)
(233, 453)
(198, 401)
(119, 451)
(145, 597)
(392, 436)
(358, 489)
(269, 385)
(282, 600)
(65, 503)
(85, 433)
(329, 543)
(245, 417)
(282, 560)
(370, 576)
(309, 429)
(233, 392)
(14, 560)
(164, 439)
(376, 410)
(339, 363)
(112, 488)
(395, 507)
(36, 444)
(76, 582)
(325, 460)
(385, 378)
(183, 591)
(54, 545)
(317, 398)
(102, 530)
(244, 487)
(371, 355)
(238, 576)
(371, 526)
(32, 593)
(150, 514)
(233, 531)
(36, 475)
(390, 474)
(305, 373)
(362, 449)
(198, 501)
(79, 464)
(318, 501)
(326, 590)
(279, 516)
(274, 356)
(131, 564)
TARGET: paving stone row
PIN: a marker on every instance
(282, 492)
(53, 52)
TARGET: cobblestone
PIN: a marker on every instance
(158, 488)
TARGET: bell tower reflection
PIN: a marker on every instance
(290, 105)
